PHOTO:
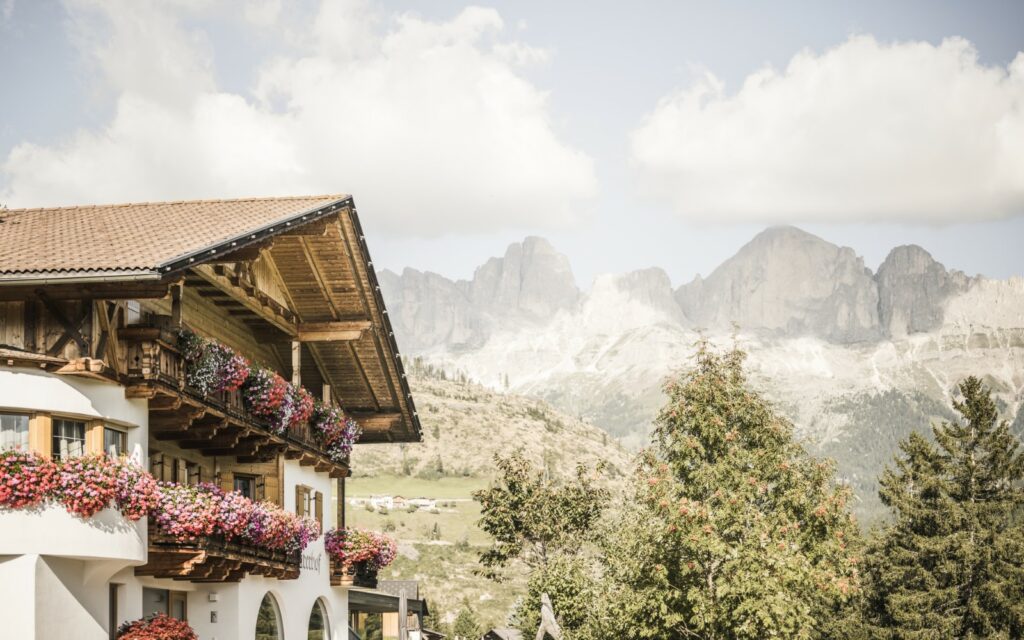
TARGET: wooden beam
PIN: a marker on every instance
(296, 363)
(86, 291)
(251, 301)
(332, 331)
(177, 289)
(377, 421)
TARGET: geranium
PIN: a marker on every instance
(159, 627)
(350, 546)
(210, 365)
(136, 492)
(25, 479)
(264, 392)
(185, 512)
(87, 484)
(335, 432)
(234, 372)
(202, 361)
(303, 404)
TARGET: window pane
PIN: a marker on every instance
(68, 438)
(13, 432)
(114, 441)
(244, 485)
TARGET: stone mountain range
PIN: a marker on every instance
(857, 359)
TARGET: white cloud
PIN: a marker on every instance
(906, 132)
(428, 124)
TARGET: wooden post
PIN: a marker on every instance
(341, 503)
(403, 616)
(296, 363)
(326, 395)
(176, 291)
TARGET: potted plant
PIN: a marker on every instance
(357, 555)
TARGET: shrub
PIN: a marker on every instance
(159, 627)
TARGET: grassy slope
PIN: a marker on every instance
(464, 426)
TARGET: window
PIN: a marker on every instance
(246, 485)
(193, 473)
(318, 627)
(13, 432)
(268, 620)
(68, 438)
(172, 603)
(115, 442)
(309, 503)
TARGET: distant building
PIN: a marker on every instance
(424, 503)
(382, 501)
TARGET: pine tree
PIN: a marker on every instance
(735, 531)
(952, 563)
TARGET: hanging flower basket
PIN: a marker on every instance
(357, 555)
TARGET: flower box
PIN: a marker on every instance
(359, 574)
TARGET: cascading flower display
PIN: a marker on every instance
(158, 627)
(136, 492)
(302, 406)
(26, 478)
(211, 366)
(335, 432)
(86, 485)
(264, 393)
(350, 546)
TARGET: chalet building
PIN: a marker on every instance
(94, 301)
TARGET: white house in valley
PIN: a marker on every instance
(93, 303)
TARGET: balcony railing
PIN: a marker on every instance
(212, 559)
(217, 423)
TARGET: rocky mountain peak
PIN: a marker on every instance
(788, 282)
(912, 291)
(531, 278)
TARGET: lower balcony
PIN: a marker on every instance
(214, 560)
(49, 530)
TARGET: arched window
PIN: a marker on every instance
(268, 620)
(319, 628)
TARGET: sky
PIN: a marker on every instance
(629, 134)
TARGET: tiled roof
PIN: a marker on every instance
(135, 237)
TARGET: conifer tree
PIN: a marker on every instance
(951, 565)
(735, 531)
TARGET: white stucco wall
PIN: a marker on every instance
(51, 530)
(73, 396)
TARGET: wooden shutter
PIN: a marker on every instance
(227, 481)
(320, 509)
(300, 499)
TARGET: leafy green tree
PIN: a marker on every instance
(951, 565)
(735, 532)
(531, 518)
(545, 525)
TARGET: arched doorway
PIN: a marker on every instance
(319, 625)
(268, 620)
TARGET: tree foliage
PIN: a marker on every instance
(951, 565)
(734, 531)
(531, 518)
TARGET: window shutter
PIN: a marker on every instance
(260, 490)
(300, 503)
(227, 481)
(320, 509)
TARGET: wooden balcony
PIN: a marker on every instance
(215, 424)
(214, 560)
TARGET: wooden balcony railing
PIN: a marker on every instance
(216, 424)
(214, 560)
